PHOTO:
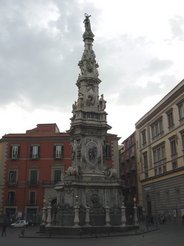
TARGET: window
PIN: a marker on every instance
(143, 133)
(159, 155)
(182, 138)
(174, 164)
(132, 151)
(160, 170)
(170, 118)
(164, 169)
(107, 151)
(146, 175)
(33, 178)
(14, 152)
(178, 194)
(12, 177)
(58, 151)
(173, 146)
(35, 152)
(32, 198)
(167, 194)
(181, 110)
(157, 128)
(57, 175)
(158, 196)
(11, 198)
(145, 161)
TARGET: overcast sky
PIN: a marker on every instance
(139, 46)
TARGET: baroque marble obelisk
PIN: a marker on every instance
(91, 192)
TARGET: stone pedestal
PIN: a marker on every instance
(87, 217)
(123, 216)
(44, 214)
(76, 216)
(49, 219)
(107, 216)
(135, 214)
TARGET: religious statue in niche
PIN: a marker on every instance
(102, 103)
(90, 96)
(82, 65)
(76, 149)
(74, 107)
(92, 152)
(89, 65)
(80, 101)
(95, 200)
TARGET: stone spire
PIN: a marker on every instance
(88, 124)
(88, 34)
(88, 64)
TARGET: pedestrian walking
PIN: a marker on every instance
(3, 233)
(22, 232)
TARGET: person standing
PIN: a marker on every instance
(3, 230)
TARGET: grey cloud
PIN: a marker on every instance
(43, 68)
(123, 65)
(157, 65)
(134, 94)
(34, 64)
(177, 27)
(125, 62)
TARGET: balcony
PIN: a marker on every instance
(35, 157)
(59, 156)
(31, 203)
(11, 202)
(12, 183)
(33, 183)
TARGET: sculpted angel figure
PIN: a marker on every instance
(87, 22)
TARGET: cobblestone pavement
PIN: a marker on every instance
(171, 234)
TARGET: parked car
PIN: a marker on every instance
(19, 223)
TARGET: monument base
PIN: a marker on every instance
(87, 230)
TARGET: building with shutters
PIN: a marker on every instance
(160, 156)
(128, 173)
(1, 176)
(33, 163)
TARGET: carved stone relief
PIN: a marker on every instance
(91, 153)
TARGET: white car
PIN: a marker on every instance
(19, 223)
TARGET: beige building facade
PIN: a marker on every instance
(160, 156)
(2, 153)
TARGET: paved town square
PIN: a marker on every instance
(171, 234)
